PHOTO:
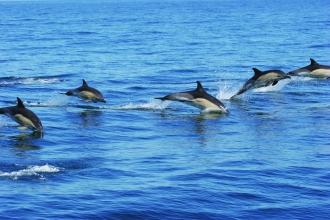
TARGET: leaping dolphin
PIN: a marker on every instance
(262, 79)
(86, 93)
(23, 116)
(314, 70)
(198, 98)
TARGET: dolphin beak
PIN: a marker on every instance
(287, 77)
(292, 73)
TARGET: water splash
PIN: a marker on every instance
(56, 99)
(151, 105)
(226, 90)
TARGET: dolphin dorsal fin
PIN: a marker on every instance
(199, 87)
(20, 103)
(313, 62)
(84, 83)
(256, 71)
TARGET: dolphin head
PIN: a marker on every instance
(281, 75)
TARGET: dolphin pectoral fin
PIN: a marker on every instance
(275, 82)
(22, 128)
(269, 83)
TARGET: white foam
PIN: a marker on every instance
(302, 78)
(210, 110)
(151, 105)
(29, 81)
(31, 171)
(44, 169)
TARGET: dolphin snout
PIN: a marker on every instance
(292, 73)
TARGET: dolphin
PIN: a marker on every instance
(23, 116)
(262, 79)
(314, 70)
(86, 93)
(198, 98)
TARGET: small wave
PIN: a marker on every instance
(28, 81)
(85, 32)
(31, 171)
(319, 46)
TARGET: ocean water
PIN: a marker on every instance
(140, 158)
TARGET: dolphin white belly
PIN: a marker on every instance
(20, 119)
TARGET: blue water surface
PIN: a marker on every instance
(136, 157)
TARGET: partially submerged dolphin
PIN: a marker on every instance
(86, 93)
(313, 70)
(262, 79)
(198, 98)
(23, 116)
